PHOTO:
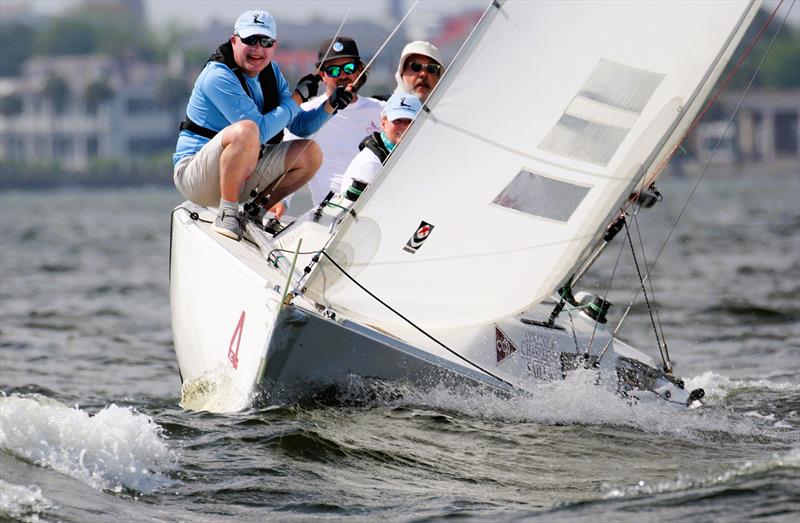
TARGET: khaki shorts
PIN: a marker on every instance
(197, 176)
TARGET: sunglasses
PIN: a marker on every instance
(263, 41)
(335, 70)
(430, 68)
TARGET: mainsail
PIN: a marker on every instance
(540, 129)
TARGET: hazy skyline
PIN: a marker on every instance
(163, 14)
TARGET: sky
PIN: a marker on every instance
(198, 13)
(163, 14)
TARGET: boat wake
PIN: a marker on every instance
(578, 400)
(115, 449)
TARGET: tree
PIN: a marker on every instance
(98, 93)
(56, 89)
(10, 104)
(15, 43)
(173, 93)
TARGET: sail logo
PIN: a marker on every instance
(419, 236)
(503, 346)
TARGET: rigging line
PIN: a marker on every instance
(722, 87)
(713, 153)
(664, 358)
(418, 328)
(319, 68)
(333, 40)
(608, 290)
(277, 182)
(650, 283)
(380, 49)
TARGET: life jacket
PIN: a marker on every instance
(269, 89)
(374, 143)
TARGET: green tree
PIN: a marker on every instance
(15, 43)
(781, 67)
(10, 104)
(98, 93)
(56, 89)
(173, 92)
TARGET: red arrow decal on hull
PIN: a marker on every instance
(233, 355)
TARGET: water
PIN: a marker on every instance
(91, 430)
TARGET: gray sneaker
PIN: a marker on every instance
(227, 224)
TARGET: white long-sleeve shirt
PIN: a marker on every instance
(339, 138)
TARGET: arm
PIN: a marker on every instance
(223, 89)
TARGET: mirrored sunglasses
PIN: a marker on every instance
(335, 70)
(263, 41)
(430, 68)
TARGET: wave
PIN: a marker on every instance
(579, 400)
(788, 461)
(116, 448)
(22, 503)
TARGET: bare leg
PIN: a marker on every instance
(302, 161)
(240, 142)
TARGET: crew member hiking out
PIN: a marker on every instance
(230, 143)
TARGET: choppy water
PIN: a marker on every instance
(91, 430)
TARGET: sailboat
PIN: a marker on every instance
(459, 265)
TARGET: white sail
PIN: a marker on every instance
(537, 133)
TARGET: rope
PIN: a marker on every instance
(719, 91)
(417, 327)
(646, 299)
(263, 197)
(716, 148)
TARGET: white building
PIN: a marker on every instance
(72, 109)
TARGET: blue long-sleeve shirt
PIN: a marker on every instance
(218, 100)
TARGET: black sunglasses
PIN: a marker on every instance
(430, 68)
(263, 41)
(335, 70)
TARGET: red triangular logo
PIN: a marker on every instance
(504, 347)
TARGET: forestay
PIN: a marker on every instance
(540, 129)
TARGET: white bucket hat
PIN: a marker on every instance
(416, 47)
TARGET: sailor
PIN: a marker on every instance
(419, 69)
(340, 65)
(230, 143)
(398, 113)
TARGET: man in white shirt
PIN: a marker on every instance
(340, 136)
(419, 69)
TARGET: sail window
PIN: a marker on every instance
(600, 115)
(541, 196)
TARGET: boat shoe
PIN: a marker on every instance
(227, 224)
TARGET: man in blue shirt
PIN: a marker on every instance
(230, 143)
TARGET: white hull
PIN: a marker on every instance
(236, 345)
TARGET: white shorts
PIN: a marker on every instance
(197, 176)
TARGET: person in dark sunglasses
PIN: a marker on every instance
(340, 67)
(419, 70)
(231, 141)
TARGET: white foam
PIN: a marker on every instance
(717, 386)
(580, 400)
(790, 459)
(114, 449)
(22, 503)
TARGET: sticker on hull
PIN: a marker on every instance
(503, 345)
(233, 355)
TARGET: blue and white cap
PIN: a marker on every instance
(402, 105)
(256, 23)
